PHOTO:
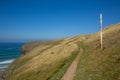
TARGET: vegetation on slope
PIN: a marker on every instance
(101, 64)
(43, 61)
(49, 60)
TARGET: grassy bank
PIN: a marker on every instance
(101, 64)
(50, 60)
(60, 72)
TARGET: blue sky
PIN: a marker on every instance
(28, 20)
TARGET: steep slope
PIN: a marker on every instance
(49, 60)
(43, 61)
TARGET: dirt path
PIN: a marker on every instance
(71, 71)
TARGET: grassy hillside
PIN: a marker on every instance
(49, 60)
(43, 61)
(101, 64)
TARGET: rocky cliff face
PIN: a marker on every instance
(49, 60)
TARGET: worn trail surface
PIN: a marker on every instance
(71, 71)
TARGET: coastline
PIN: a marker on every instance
(8, 53)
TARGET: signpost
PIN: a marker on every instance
(101, 45)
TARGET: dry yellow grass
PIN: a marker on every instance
(41, 58)
(45, 59)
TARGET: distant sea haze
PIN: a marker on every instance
(8, 53)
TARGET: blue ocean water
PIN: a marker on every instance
(8, 53)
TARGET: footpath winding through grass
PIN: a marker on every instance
(61, 71)
(71, 71)
(101, 64)
(50, 60)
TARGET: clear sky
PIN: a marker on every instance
(27, 20)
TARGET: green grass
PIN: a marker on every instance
(43, 62)
(50, 60)
(100, 64)
(49, 72)
(60, 72)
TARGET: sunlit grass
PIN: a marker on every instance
(49, 60)
(101, 64)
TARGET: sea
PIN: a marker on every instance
(9, 51)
